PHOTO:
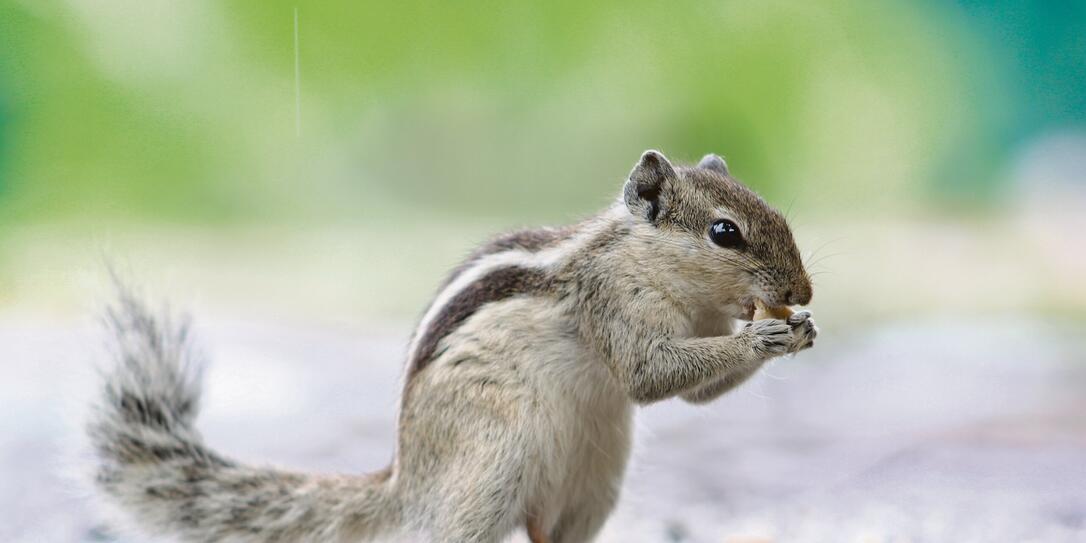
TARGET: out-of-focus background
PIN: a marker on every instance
(301, 175)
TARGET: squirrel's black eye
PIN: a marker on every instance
(726, 234)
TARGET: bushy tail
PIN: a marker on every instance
(154, 471)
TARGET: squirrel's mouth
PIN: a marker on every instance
(756, 309)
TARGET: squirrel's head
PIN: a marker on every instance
(717, 237)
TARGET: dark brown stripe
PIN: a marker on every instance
(525, 240)
(498, 284)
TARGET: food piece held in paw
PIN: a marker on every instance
(762, 311)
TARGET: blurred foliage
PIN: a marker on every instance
(185, 111)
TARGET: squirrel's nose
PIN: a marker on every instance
(799, 294)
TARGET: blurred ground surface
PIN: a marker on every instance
(941, 430)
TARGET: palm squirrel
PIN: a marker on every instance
(522, 377)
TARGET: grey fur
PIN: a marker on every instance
(153, 465)
(524, 373)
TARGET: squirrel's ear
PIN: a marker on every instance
(715, 163)
(645, 186)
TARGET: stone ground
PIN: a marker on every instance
(929, 431)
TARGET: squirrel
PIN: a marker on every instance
(521, 380)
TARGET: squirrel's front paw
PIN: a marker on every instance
(775, 337)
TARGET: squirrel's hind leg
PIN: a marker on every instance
(469, 451)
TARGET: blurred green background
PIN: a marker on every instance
(930, 154)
